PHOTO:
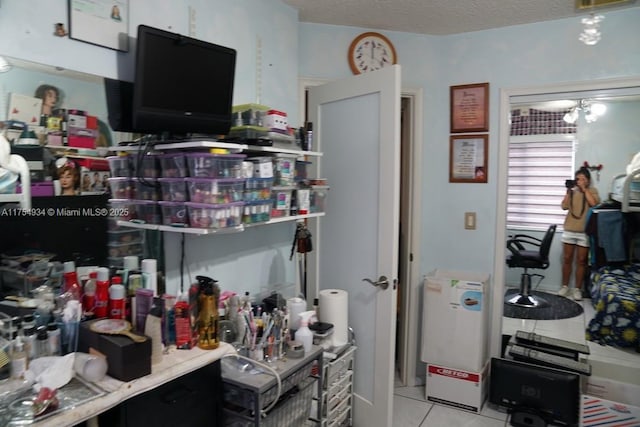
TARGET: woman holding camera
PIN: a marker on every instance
(580, 196)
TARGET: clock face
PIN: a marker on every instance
(371, 51)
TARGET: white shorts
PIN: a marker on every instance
(574, 238)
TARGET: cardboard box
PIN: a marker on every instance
(455, 319)
(460, 389)
(126, 359)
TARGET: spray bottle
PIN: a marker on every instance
(304, 334)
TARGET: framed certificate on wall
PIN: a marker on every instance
(100, 22)
(468, 158)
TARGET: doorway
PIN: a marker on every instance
(408, 372)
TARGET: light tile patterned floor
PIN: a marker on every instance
(412, 409)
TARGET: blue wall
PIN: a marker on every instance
(517, 56)
(525, 55)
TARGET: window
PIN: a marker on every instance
(538, 168)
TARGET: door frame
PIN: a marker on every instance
(408, 339)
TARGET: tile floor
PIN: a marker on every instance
(410, 407)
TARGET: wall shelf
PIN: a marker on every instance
(210, 231)
(232, 147)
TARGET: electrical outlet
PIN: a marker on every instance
(470, 220)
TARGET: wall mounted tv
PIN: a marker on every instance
(182, 85)
(535, 395)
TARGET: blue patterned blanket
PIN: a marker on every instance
(615, 295)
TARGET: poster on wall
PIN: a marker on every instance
(468, 158)
(100, 22)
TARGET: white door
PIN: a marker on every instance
(356, 123)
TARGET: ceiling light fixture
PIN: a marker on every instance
(591, 34)
(4, 65)
(591, 110)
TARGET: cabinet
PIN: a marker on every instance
(193, 399)
(247, 393)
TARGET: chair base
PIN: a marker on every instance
(527, 301)
(524, 299)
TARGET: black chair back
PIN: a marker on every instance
(545, 245)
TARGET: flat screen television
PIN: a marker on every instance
(535, 395)
(181, 85)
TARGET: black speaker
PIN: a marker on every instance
(119, 96)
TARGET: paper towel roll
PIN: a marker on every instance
(295, 306)
(334, 309)
(149, 269)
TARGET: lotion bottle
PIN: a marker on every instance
(304, 334)
(19, 359)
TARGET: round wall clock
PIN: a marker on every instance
(371, 51)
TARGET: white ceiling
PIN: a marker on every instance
(438, 17)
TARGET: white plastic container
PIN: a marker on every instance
(304, 334)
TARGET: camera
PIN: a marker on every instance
(570, 183)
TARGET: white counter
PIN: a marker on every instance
(173, 365)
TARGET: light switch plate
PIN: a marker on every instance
(470, 220)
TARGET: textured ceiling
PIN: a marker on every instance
(437, 17)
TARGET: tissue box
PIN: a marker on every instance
(126, 359)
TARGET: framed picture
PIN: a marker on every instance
(468, 158)
(470, 108)
(100, 22)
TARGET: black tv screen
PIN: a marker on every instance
(535, 391)
(182, 85)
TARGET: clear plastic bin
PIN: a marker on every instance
(146, 189)
(173, 165)
(207, 165)
(262, 167)
(146, 211)
(318, 198)
(173, 189)
(122, 209)
(256, 212)
(174, 213)
(122, 250)
(145, 167)
(202, 215)
(215, 191)
(256, 189)
(284, 170)
(121, 188)
(119, 166)
(281, 197)
(125, 236)
(249, 115)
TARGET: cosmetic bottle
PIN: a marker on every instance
(71, 283)
(208, 313)
(304, 334)
(19, 360)
(89, 294)
(102, 293)
(117, 296)
(153, 329)
(42, 342)
(30, 342)
(54, 339)
(144, 301)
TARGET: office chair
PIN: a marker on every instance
(529, 252)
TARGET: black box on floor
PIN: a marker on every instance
(127, 360)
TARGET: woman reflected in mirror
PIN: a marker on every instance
(579, 197)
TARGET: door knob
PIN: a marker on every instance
(382, 282)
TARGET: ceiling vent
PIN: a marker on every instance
(595, 4)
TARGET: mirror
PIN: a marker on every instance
(79, 91)
(74, 90)
(611, 140)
